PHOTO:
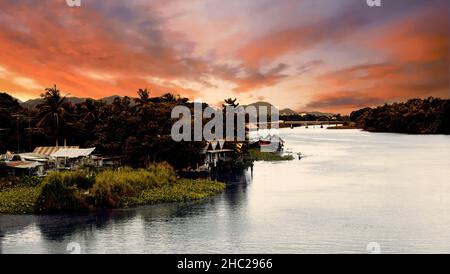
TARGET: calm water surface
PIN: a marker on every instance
(354, 188)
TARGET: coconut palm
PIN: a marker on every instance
(143, 99)
(231, 103)
(53, 112)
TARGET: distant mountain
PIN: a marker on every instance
(261, 104)
(110, 99)
(32, 103)
(287, 112)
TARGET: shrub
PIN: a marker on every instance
(59, 192)
(30, 181)
(163, 174)
(7, 182)
(75, 191)
(110, 186)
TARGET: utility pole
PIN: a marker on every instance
(30, 130)
(18, 116)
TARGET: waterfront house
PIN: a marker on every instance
(44, 159)
(220, 154)
(71, 158)
(20, 168)
(47, 151)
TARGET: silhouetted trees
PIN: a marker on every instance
(230, 103)
(137, 128)
(8, 107)
(53, 112)
(416, 116)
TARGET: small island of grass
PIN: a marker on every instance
(258, 155)
(77, 191)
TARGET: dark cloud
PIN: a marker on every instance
(345, 99)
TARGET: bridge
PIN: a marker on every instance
(309, 123)
(284, 124)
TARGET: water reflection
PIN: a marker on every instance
(354, 188)
(55, 230)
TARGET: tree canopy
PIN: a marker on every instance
(416, 116)
(137, 128)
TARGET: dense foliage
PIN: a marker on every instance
(18, 199)
(136, 128)
(60, 192)
(416, 116)
(67, 191)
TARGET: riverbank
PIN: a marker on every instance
(81, 192)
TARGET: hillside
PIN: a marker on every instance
(32, 103)
(416, 116)
(287, 112)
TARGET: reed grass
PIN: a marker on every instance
(77, 191)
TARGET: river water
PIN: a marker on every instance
(355, 192)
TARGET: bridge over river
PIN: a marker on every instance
(283, 124)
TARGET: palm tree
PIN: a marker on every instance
(231, 102)
(53, 112)
(89, 110)
(168, 98)
(143, 99)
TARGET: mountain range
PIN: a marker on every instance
(289, 112)
(32, 103)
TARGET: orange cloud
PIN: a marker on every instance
(116, 47)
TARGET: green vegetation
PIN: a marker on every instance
(30, 180)
(18, 199)
(62, 191)
(139, 128)
(76, 191)
(258, 155)
(416, 116)
(183, 190)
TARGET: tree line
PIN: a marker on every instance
(136, 128)
(416, 116)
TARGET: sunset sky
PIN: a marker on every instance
(326, 55)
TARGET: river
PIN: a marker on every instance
(355, 191)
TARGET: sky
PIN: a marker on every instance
(307, 55)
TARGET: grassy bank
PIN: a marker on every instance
(258, 155)
(77, 191)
